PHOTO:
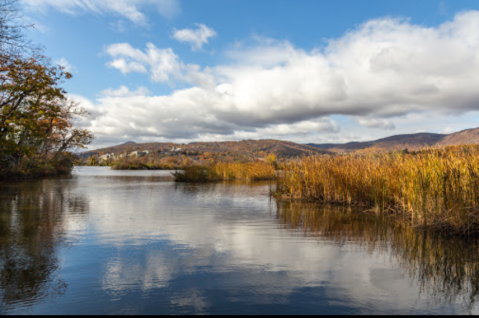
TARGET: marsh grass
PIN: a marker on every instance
(251, 171)
(138, 164)
(436, 188)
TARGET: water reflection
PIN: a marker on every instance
(446, 267)
(31, 218)
(134, 242)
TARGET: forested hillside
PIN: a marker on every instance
(200, 152)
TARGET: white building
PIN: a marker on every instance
(139, 153)
(107, 156)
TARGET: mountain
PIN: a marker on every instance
(409, 141)
(250, 149)
(239, 149)
(464, 137)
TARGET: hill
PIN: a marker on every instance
(243, 150)
(464, 137)
(409, 141)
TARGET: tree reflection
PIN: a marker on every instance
(32, 215)
(446, 267)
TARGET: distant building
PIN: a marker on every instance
(107, 156)
(139, 153)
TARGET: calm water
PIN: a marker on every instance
(134, 242)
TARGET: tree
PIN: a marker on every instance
(13, 43)
(271, 159)
(36, 117)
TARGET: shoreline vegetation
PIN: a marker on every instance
(138, 164)
(432, 188)
(250, 171)
(36, 167)
(37, 118)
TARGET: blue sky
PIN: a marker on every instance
(309, 71)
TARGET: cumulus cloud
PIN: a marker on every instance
(383, 70)
(163, 65)
(195, 37)
(129, 9)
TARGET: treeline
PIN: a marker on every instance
(36, 117)
(156, 160)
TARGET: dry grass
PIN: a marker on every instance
(433, 188)
(227, 171)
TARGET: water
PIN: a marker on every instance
(134, 242)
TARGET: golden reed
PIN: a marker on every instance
(436, 188)
(250, 171)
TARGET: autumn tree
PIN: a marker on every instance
(36, 117)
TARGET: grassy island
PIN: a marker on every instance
(250, 171)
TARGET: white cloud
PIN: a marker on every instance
(447, 130)
(64, 63)
(130, 9)
(127, 67)
(376, 123)
(375, 74)
(124, 91)
(195, 37)
(163, 64)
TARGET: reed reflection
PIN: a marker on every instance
(232, 188)
(32, 219)
(446, 267)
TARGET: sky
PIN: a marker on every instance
(309, 71)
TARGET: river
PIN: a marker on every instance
(105, 241)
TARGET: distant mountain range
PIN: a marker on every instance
(248, 149)
(410, 141)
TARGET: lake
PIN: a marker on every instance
(105, 241)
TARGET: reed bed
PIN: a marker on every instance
(250, 171)
(138, 164)
(436, 188)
